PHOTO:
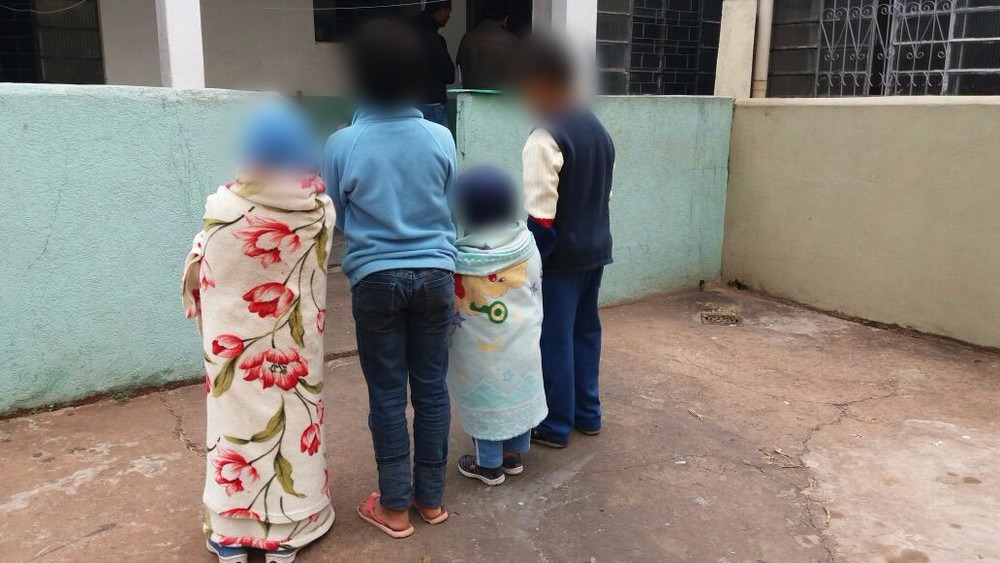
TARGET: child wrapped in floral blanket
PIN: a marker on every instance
(256, 281)
(495, 365)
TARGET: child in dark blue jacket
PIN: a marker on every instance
(568, 163)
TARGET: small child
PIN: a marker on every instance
(256, 281)
(390, 173)
(568, 163)
(495, 368)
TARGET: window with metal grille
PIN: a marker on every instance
(658, 46)
(884, 47)
(614, 37)
(55, 41)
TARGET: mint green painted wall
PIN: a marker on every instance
(329, 113)
(333, 112)
(669, 199)
(103, 189)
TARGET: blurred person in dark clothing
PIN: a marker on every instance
(441, 69)
(483, 53)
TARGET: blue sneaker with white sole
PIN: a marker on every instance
(228, 554)
(283, 556)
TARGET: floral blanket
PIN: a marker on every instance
(495, 364)
(256, 280)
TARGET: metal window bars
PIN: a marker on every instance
(888, 47)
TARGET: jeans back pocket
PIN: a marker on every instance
(373, 302)
(439, 290)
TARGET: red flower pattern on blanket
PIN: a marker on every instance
(196, 295)
(253, 543)
(266, 239)
(326, 484)
(232, 469)
(205, 279)
(273, 367)
(310, 439)
(270, 299)
(227, 346)
(254, 459)
(321, 320)
(314, 184)
(242, 513)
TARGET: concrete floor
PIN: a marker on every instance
(796, 437)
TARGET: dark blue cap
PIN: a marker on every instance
(486, 196)
(280, 136)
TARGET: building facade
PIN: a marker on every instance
(292, 46)
(804, 48)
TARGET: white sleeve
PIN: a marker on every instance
(542, 161)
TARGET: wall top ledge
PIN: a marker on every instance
(911, 101)
(11, 89)
(461, 93)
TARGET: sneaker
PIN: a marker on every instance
(280, 556)
(512, 464)
(228, 554)
(492, 477)
(547, 441)
(587, 432)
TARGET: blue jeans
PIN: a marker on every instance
(571, 352)
(403, 318)
(489, 454)
(438, 113)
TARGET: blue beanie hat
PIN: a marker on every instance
(278, 135)
(486, 195)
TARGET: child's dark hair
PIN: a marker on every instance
(432, 6)
(387, 62)
(545, 58)
(485, 196)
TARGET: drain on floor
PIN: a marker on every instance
(724, 315)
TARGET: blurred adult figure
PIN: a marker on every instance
(440, 68)
(483, 53)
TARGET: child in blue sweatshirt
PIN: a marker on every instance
(389, 174)
(568, 163)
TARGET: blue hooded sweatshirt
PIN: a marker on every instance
(390, 174)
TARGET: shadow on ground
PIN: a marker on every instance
(794, 437)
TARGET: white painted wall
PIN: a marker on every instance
(131, 51)
(270, 46)
(268, 49)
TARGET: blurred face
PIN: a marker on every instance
(544, 97)
(442, 16)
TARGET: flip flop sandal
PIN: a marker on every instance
(374, 520)
(439, 519)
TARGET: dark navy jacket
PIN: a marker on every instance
(582, 226)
